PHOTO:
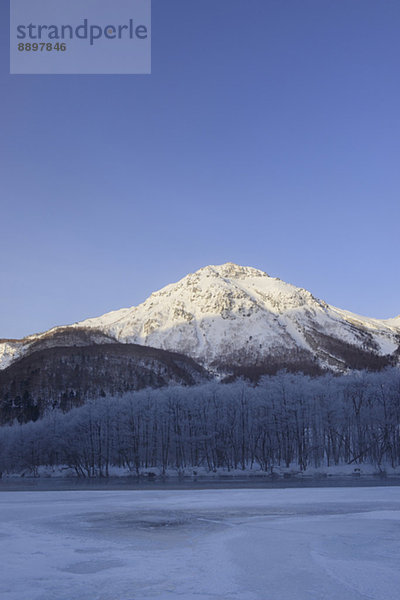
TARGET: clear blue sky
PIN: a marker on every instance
(267, 135)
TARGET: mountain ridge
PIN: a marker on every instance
(229, 316)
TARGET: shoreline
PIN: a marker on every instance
(215, 481)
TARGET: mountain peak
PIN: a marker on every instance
(234, 314)
(230, 270)
(229, 314)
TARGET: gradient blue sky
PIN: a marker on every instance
(267, 135)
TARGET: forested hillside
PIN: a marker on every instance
(68, 376)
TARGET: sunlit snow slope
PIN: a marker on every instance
(228, 317)
(231, 314)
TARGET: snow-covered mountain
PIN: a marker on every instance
(230, 317)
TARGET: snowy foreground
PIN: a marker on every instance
(287, 544)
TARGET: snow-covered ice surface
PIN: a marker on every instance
(252, 544)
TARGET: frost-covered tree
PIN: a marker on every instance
(287, 419)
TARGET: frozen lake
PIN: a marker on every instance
(245, 544)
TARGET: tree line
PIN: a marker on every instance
(289, 420)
